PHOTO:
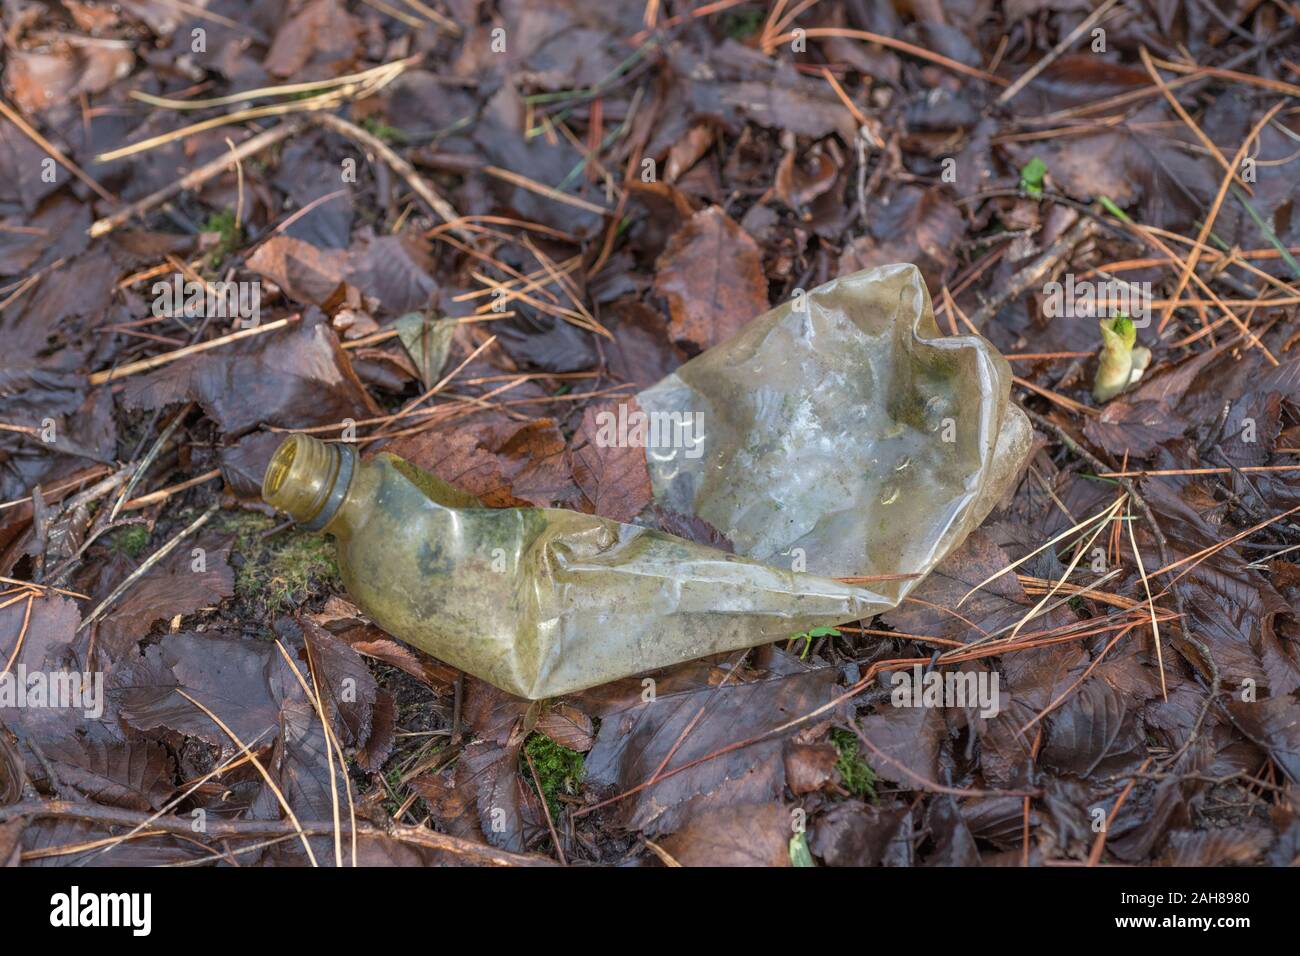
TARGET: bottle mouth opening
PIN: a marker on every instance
(278, 469)
(308, 479)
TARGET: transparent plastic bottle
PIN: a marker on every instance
(840, 432)
(538, 601)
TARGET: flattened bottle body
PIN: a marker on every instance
(545, 601)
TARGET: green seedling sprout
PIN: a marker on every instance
(807, 638)
(1031, 177)
(1122, 360)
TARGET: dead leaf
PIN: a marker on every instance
(180, 584)
(568, 726)
(38, 80)
(616, 480)
(810, 767)
(134, 773)
(711, 275)
(360, 713)
(242, 681)
(290, 378)
(920, 226)
(854, 833)
(321, 33)
(501, 462)
(738, 835)
(636, 735)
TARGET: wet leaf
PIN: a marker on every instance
(568, 726)
(810, 767)
(854, 833)
(917, 226)
(134, 773)
(242, 681)
(636, 736)
(351, 696)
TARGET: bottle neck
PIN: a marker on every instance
(309, 480)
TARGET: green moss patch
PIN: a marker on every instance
(283, 570)
(559, 769)
(859, 779)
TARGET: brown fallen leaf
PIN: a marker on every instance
(395, 271)
(1094, 727)
(616, 480)
(567, 726)
(738, 835)
(686, 152)
(244, 463)
(641, 353)
(913, 737)
(810, 767)
(303, 272)
(711, 275)
(11, 841)
(50, 627)
(636, 735)
(181, 583)
(501, 462)
(360, 713)
(134, 773)
(243, 681)
(321, 33)
(40, 235)
(801, 178)
(853, 833)
(454, 809)
(22, 182)
(932, 609)
(953, 843)
(38, 80)
(345, 621)
(1233, 846)
(1274, 725)
(58, 834)
(12, 773)
(377, 849)
(488, 777)
(920, 226)
(290, 378)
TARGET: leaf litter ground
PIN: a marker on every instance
(587, 195)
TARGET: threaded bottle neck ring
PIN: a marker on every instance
(308, 480)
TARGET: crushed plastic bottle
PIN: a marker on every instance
(538, 601)
(846, 430)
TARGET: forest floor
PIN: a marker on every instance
(594, 193)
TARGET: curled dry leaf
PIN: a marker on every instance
(290, 378)
(809, 767)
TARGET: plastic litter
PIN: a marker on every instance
(834, 435)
